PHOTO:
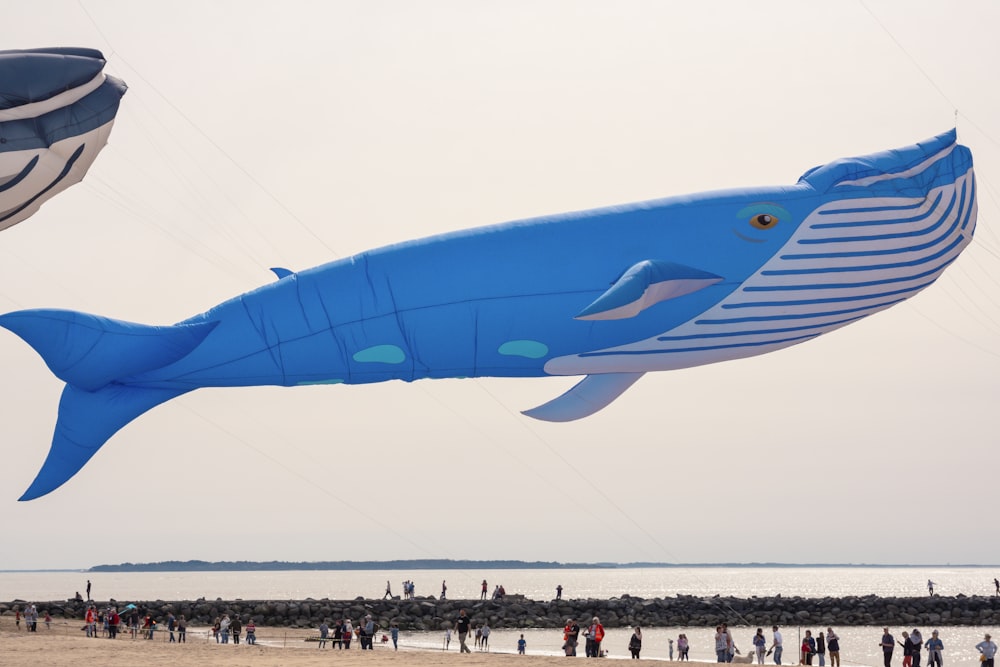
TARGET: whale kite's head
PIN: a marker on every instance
(853, 237)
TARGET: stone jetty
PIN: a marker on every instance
(427, 613)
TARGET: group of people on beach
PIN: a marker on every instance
(913, 642)
(344, 631)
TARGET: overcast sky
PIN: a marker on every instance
(259, 134)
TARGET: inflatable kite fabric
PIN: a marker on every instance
(609, 294)
(56, 111)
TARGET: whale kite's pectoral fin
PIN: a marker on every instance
(588, 396)
(645, 284)
(280, 272)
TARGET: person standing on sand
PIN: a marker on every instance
(988, 649)
(888, 644)
(776, 646)
(907, 645)
(759, 644)
(595, 635)
(324, 632)
(235, 628)
(251, 632)
(682, 647)
(635, 643)
(347, 633)
(484, 644)
(571, 637)
(721, 648)
(394, 633)
(462, 627)
(821, 649)
(934, 646)
(918, 644)
(182, 628)
(521, 645)
(833, 643)
(447, 638)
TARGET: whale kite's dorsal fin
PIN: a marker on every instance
(644, 284)
(280, 272)
(589, 395)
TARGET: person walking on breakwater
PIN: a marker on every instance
(483, 589)
(934, 646)
(776, 646)
(930, 588)
(388, 591)
(988, 649)
(833, 643)
(559, 591)
(88, 590)
(888, 644)
(444, 589)
(996, 584)
(462, 627)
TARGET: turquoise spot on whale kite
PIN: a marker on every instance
(531, 349)
(307, 382)
(385, 354)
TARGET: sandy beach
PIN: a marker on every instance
(57, 647)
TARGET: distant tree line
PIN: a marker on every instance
(435, 564)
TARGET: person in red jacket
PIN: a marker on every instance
(595, 635)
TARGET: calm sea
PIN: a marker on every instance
(859, 644)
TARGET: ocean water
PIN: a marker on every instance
(536, 584)
(859, 645)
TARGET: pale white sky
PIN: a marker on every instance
(290, 134)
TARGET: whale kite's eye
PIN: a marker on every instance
(763, 221)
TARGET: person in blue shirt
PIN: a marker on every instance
(934, 646)
(988, 648)
(521, 645)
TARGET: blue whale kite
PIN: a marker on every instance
(57, 108)
(608, 294)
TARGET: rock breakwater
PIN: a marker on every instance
(518, 612)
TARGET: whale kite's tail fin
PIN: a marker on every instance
(92, 355)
